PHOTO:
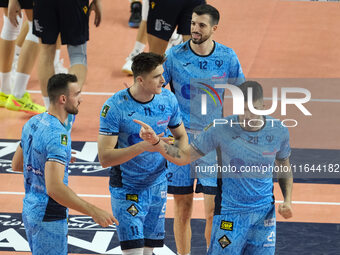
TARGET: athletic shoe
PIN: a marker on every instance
(136, 14)
(24, 104)
(127, 66)
(175, 39)
(3, 99)
(59, 67)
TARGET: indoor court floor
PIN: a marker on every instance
(280, 43)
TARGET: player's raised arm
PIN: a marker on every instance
(180, 153)
(285, 179)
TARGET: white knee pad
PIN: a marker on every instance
(136, 251)
(10, 32)
(77, 54)
(30, 36)
(145, 9)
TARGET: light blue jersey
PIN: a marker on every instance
(44, 138)
(190, 74)
(116, 119)
(245, 159)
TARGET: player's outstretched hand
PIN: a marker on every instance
(147, 133)
(286, 210)
(103, 218)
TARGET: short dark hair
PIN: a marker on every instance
(257, 90)
(146, 63)
(58, 85)
(209, 10)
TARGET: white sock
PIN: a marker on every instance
(5, 82)
(17, 50)
(139, 48)
(148, 251)
(46, 102)
(20, 84)
(135, 251)
(56, 57)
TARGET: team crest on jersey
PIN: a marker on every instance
(132, 197)
(224, 241)
(133, 210)
(105, 110)
(219, 63)
(227, 225)
(63, 139)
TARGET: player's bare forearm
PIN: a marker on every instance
(113, 157)
(178, 154)
(173, 153)
(56, 189)
(285, 179)
(109, 156)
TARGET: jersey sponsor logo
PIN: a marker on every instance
(132, 197)
(63, 139)
(35, 171)
(224, 241)
(133, 210)
(85, 9)
(269, 153)
(269, 222)
(153, 4)
(227, 225)
(105, 110)
(163, 122)
(220, 77)
(161, 107)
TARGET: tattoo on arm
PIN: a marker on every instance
(172, 150)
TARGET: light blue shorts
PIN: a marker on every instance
(252, 233)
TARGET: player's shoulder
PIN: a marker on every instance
(223, 49)
(118, 98)
(178, 50)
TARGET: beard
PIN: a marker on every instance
(70, 109)
(199, 40)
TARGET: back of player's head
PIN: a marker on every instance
(256, 87)
(209, 10)
(145, 63)
(58, 85)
